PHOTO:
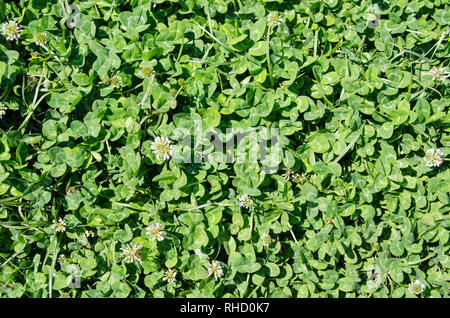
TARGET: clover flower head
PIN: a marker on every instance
(416, 287)
(60, 226)
(11, 30)
(89, 233)
(64, 295)
(215, 269)
(274, 19)
(155, 233)
(433, 157)
(266, 239)
(438, 74)
(287, 174)
(2, 110)
(299, 178)
(245, 201)
(147, 71)
(116, 81)
(161, 148)
(61, 259)
(131, 253)
(32, 82)
(169, 275)
(40, 39)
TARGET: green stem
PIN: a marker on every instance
(215, 39)
(292, 233)
(132, 89)
(33, 104)
(204, 206)
(149, 87)
(65, 76)
(423, 259)
(350, 145)
(391, 287)
(269, 64)
(182, 44)
(52, 267)
(315, 42)
(251, 220)
(254, 290)
(217, 286)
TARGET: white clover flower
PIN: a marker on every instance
(130, 253)
(299, 178)
(11, 30)
(287, 174)
(245, 201)
(161, 148)
(169, 275)
(146, 71)
(433, 157)
(64, 295)
(61, 259)
(416, 287)
(154, 231)
(274, 19)
(60, 226)
(266, 239)
(116, 81)
(215, 269)
(40, 39)
(2, 110)
(89, 233)
(438, 74)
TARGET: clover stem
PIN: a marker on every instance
(251, 220)
(218, 251)
(53, 240)
(217, 286)
(61, 64)
(315, 42)
(33, 105)
(178, 92)
(254, 290)
(63, 7)
(246, 287)
(132, 89)
(215, 39)
(220, 82)
(391, 287)
(148, 89)
(109, 152)
(423, 259)
(182, 43)
(350, 145)
(269, 65)
(292, 233)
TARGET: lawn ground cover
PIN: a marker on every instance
(224, 148)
